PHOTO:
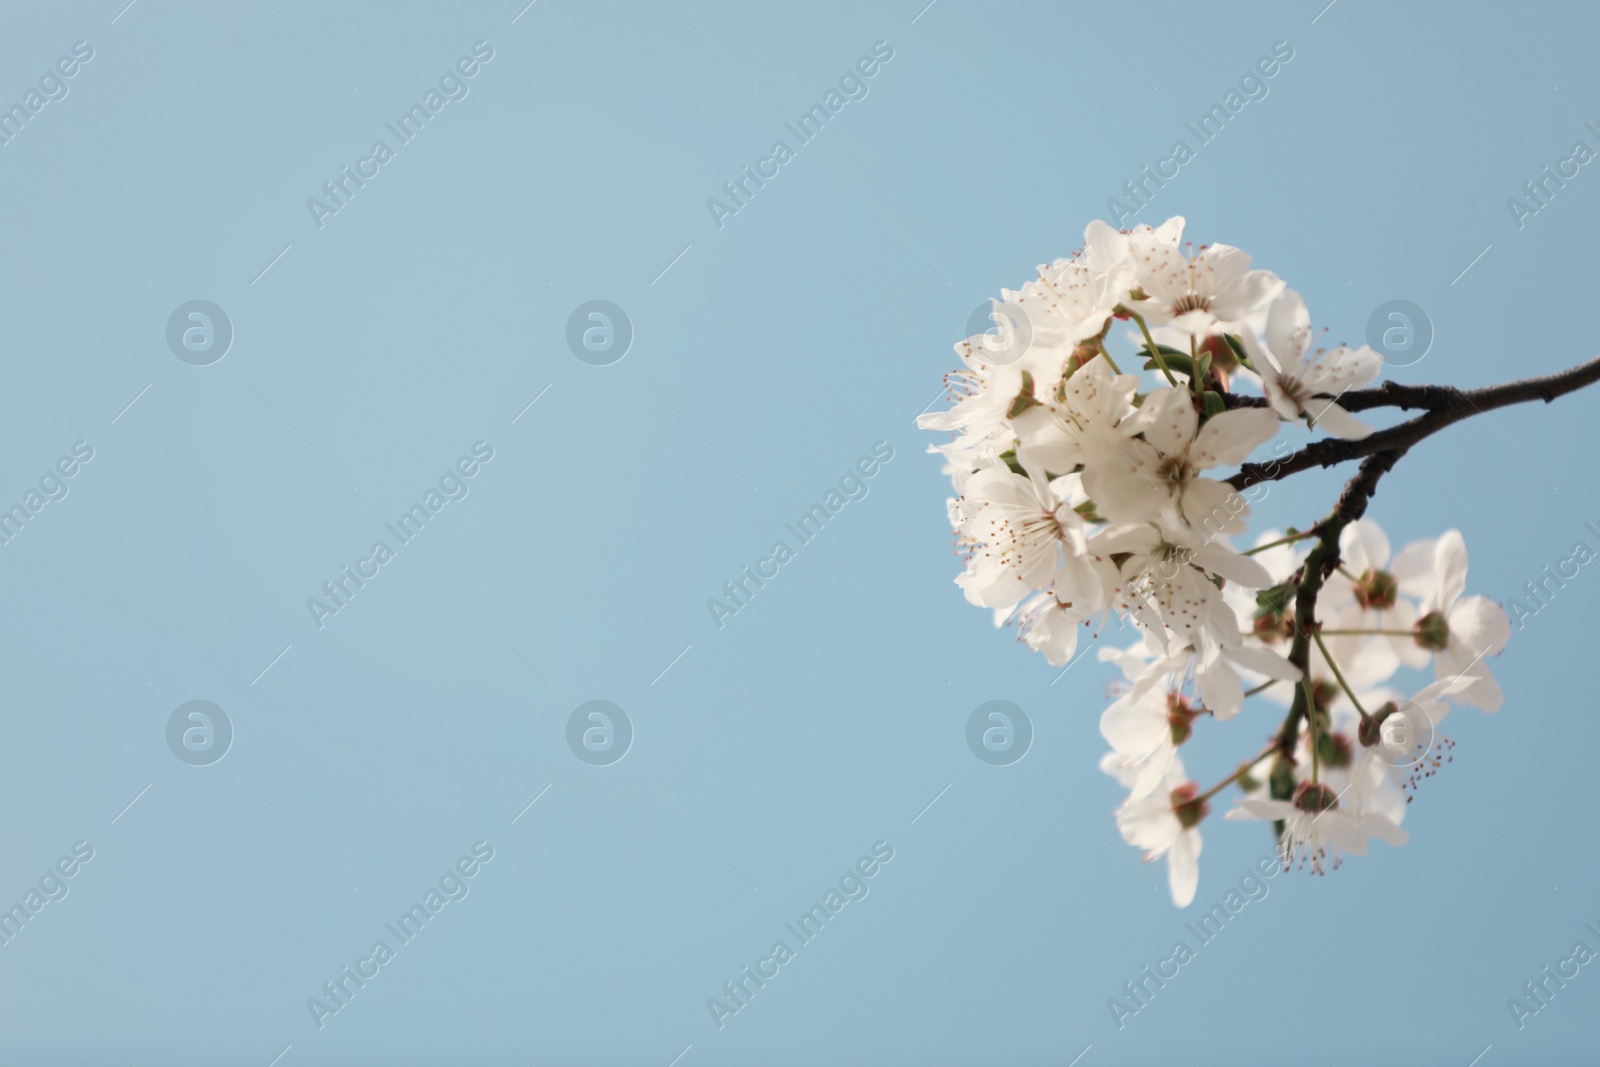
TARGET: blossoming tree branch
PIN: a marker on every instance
(1087, 493)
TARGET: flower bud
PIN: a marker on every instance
(1273, 615)
(1377, 590)
(1075, 360)
(1271, 626)
(1334, 750)
(1223, 356)
(1180, 718)
(1189, 810)
(1024, 398)
(1314, 796)
(1370, 732)
(1433, 632)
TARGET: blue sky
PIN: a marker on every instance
(426, 323)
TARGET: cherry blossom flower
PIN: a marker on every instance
(1090, 404)
(1015, 527)
(1166, 823)
(1088, 497)
(1459, 630)
(1403, 745)
(984, 393)
(1364, 595)
(1320, 827)
(1145, 727)
(1049, 622)
(1166, 579)
(1298, 387)
(1071, 299)
(1134, 478)
(1216, 287)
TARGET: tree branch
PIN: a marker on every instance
(1319, 564)
(1445, 405)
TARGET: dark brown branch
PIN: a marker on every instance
(1404, 397)
(1320, 563)
(1445, 405)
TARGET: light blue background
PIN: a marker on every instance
(829, 713)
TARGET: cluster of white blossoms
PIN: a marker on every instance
(1086, 494)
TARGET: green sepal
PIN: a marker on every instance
(1024, 398)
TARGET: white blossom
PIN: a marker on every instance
(1089, 496)
(1299, 387)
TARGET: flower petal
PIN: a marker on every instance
(1119, 476)
(1170, 420)
(1288, 332)
(1364, 546)
(1335, 420)
(1450, 564)
(1481, 625)
(1229, 438)
(1224, 561)
(1183, 868)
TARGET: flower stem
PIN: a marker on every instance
(1244, 768)
(1291, 539)
(1107, 357)
(1311, 721)
(1316, 635)
(1319, 564)
(1155, 351)
(1444, 406)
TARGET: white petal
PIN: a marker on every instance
(1119, 475)
(1229, 438)
(1149, 823)
(1344, 369)
(1183, 868)
(1119, 767)
(1245, 809)
(1413, 569)
(1364, 546)
(1224, 561)
(1170, 420)
(1220, 687)
(1450, 567)
(1481, 625)
(1384, 829)
(1212, 507)
(1248, 296)
(1288, 332)
(1335, 420)
(1264, 661)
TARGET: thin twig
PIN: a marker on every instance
(1446, 405)
(1319, 564)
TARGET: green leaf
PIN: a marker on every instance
(1177, 362)
(1275, 601)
